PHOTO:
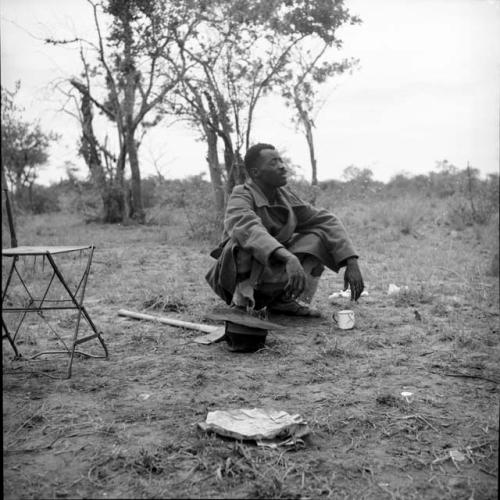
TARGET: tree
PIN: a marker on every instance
(301, 92)
(446, 181)
(310, 68)
(240, 52)
(357, 175)
(127, 78)
(24, 148)
(219, 93)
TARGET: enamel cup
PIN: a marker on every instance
(344, 319)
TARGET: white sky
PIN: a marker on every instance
(428, 88)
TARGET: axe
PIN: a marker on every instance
(215, 333)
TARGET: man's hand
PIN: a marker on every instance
(296, 277)
(353, 278)
(294, 270)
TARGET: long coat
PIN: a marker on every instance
(253, 224)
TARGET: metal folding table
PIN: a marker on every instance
(73, 299)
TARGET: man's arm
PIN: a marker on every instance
(335, 239)
(294, 270)
(353, 278)
(245, 227)
(329, 228)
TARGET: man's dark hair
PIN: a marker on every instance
(253, 154)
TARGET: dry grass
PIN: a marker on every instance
(126, 428)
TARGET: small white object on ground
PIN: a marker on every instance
(144, 396)
(394, 289)
(344, 294)
(407, 395)
(267, 427)
(457, 456)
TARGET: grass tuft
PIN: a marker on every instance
(166, 304)
(414, 296)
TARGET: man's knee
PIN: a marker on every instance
(312, 265)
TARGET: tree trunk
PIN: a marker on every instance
(234, 167)
(312, 158)
(131, 74)
(121, 186)
(110, 190)
(231, 160)
(136, 208)
(30, 196)
(307, 123)
(240, 175)
(230, 169)
(8, 209)
(214, 169)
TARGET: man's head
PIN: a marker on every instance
(264, 165)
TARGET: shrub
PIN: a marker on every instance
(463, 212)
(43, 200)
(204, 224)
(403, 214)
(193, 197)
(303, 189)
(459, 213)
(151, 188)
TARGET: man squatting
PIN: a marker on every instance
(275, 246)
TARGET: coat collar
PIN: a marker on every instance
(261, 199)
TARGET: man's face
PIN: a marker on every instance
(271, 170)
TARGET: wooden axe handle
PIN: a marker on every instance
(169, 321)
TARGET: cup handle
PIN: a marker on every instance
(334, 319)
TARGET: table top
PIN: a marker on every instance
(42, 250)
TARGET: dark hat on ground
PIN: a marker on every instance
(242, 338)
(244, 333)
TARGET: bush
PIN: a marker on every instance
(193, 197)
(463, 212)
(404, 214)
(151, 188)
(205, 225)
(303, 189)
(44, 200)
(459, 213)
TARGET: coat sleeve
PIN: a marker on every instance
(329, 228)
(245, 227)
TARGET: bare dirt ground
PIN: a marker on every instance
(127, 427)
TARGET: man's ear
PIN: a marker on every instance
(255, 172)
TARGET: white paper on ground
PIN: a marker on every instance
(394, 289)
(256, 424)
(345, 294)
(457, 455)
